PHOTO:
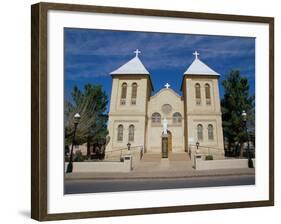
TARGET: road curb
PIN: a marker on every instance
(159, 177)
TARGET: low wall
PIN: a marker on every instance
(101, 166)
(221, 164)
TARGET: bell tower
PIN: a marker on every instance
(202, 108)
(131, 89)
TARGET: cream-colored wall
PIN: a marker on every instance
(126, 121)
(205, 120)
(203, 107)
(154, 131)
(154, 137)
(128, 114)
(148, 134)
(139, 107)
(204, 114)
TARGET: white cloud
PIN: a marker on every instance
(159, 51)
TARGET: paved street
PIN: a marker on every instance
(95, 186)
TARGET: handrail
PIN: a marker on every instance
(118, 153)
(207, 147)
(210, 150)
(131, 148)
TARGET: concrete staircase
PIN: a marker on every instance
(152, 162)
(154, 157)
(181, 156)
(151, 157)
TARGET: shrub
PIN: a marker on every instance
(79, 157)
(209, 157)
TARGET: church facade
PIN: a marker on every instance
(136, 116)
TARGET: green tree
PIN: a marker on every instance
(236, 99)
(91, 105)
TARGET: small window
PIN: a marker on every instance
(120, 132)
(134, 93)
(123, 94)
(210, 132)
(200, 132)
(177, 118)
(208, 94)
(198, 93)
(156, 118)
(131, 133)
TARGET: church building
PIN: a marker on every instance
(136, 116)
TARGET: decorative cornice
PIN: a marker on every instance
(204, 113)
(197, 76)
(166, 89)
(125, 114)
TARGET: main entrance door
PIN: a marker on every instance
(166, 144)
(169, 141)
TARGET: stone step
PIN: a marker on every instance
(179, 156)
(163, 165)
(151, 157)
(156, 157)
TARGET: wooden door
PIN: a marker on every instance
(165, 147)
(169, 141)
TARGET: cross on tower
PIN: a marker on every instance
(167, 85)
(137, 52)
(196, 54)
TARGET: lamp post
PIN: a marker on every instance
(70, 164)
(129, 146)
(244, 116)
(197, 147)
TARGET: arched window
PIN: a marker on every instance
(210, 132)
(198, 93)
(208, 94)
(123, 93)
(120, 132)
(131, 133)
(200, 132)
(156, 118)
(134, 93)
(177, 118)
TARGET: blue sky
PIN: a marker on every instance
(90, 55)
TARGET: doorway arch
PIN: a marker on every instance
(169, 140)
(166, 144)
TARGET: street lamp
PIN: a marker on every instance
(197, 144)
(244, 116)
(129, 146)
(76, 120)
(197, 147)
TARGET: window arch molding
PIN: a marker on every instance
(134, 93)
(156, 118)
(131, 136)
(208, 93)
(200, 132)
(198, 93)
(120, 130)
(210, 132)
(177, 118)
(123, 93)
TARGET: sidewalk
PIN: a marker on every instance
(159, 174)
